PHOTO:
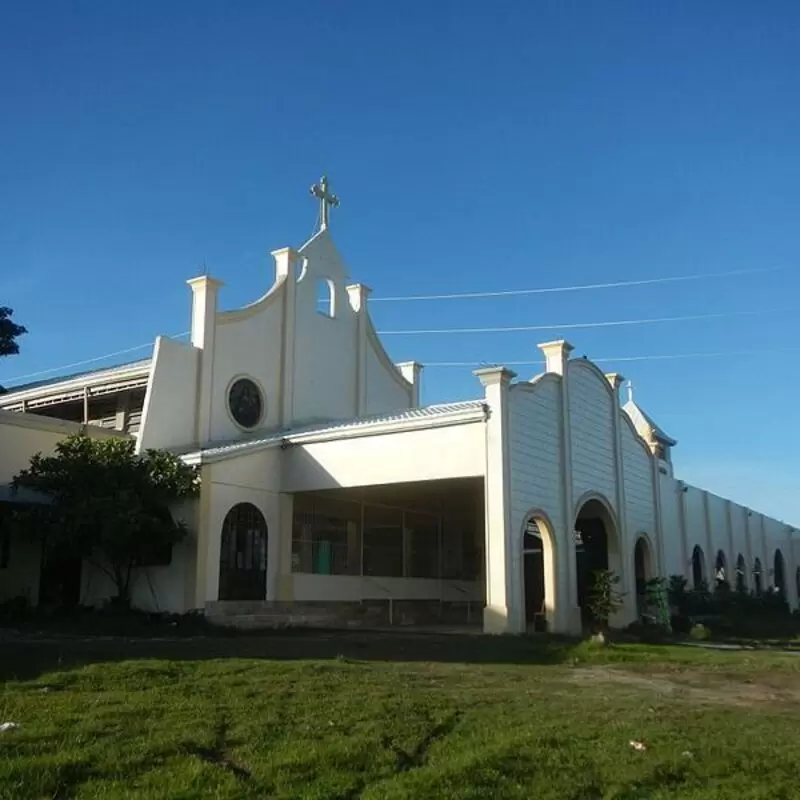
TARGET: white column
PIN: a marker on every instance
(568, 615)
(285, 260)
(358, 294)
(502, 613)
(412, 371)
(204, 310)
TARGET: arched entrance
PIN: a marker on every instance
(643, 572)
(720, 570)
(539, 575)
(243, 554)
(780, 573)
(698, 568)
(741, 574)
(758, 584)
(596, 548)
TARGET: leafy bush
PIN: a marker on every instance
(605, 599)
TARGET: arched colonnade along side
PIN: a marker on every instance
(556, 573)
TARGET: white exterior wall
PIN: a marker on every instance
(591, 407)
(457, 451)
(675, 555)
(247, 479)
(21, 437)
(719, 538)
(536, 461)
(169, 417)
(247, 343)
(387, 389)
(640, 499)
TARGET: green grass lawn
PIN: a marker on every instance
(394, 716)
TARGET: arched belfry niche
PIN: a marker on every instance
(597, 546)
(539, 572)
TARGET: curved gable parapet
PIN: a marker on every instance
(536, 382)
(263, 302)
(640, 440)
(383, 357)
(584, 363)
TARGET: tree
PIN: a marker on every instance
(605, 598)
(109, 505)
(9, 333)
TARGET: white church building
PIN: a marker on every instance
(330, 496)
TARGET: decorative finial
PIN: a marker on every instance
(326, 199)
(630, 391)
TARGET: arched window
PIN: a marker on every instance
(779, 573)
(698, 567)
(758, 584)
(720, 569)
(741, 574)
(326, 297)
(243, 554)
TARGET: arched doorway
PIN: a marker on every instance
(720, 570)
(780, 573)
(741, 574)
(643, 572)
(538, 573)
(758, 584)
(533, 561)
(243, 554)
(698, 568)
(596, 549)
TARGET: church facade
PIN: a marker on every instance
(329, 495)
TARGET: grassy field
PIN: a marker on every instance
(394, 716)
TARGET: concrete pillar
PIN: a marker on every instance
(557, 355)
(205, 290)
(502, 613)
(358, 294)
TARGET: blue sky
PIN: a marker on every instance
(475, 146)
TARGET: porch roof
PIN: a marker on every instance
(433, 416)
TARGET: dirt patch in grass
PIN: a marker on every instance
(702, 689)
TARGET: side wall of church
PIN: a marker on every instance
(640, 501)
(591, 411)
(536, 464)
(671, 527)
(536, 461)
(169, 417)
(715, 524)
(247, 344)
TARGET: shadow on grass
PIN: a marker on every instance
(25, 657)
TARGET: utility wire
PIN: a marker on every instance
(615, 359)
(90, 360)
(580, 325)
(578, 288)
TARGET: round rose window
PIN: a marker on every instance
(245, 402)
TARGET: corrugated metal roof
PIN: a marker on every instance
(434, 412)
(24, 387)
(637, 414)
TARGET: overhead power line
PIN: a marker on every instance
(582, 325)
(615, 359)
(579, 287)
(88, 361)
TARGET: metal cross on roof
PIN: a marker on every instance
(326, 200)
